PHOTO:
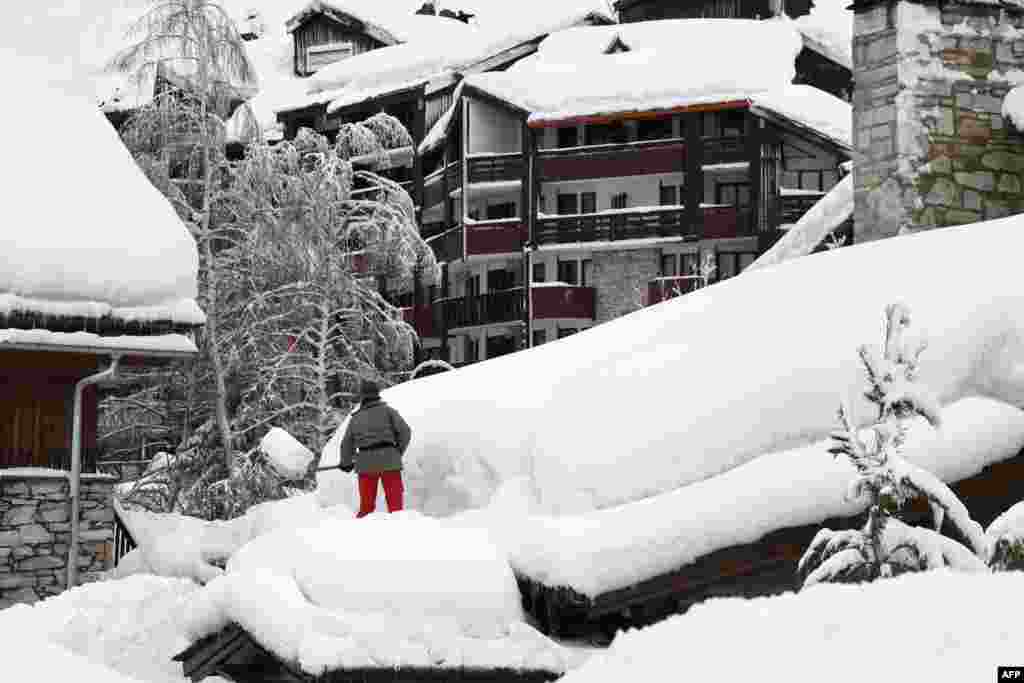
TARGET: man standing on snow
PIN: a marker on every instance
(374, 443)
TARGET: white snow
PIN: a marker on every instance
(436, 134)
(612, 548)
(813, 227)
(160, 343)
(828, 29)
(289, 457)
(1009, 525)
(47, 473)
(958, 631)
(90, 228)
(816, 109)
(740, 398)
(1013, 106)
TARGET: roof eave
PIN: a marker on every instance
(142, 353)
(607, 117)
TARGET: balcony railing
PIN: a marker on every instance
(421, 318)
(447, 246)
(433, 184)
(721, 222)
(663, 288)
(502, 306)
(493, 168)
(562, 301)
(495, 237)
(611, 226)
(793, 206)
(611, 161)
(725, 150)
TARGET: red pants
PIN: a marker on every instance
(393, 490)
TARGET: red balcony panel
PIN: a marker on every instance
(725, 221)
(665, 288)
(495, 238)
(421, 318)
(562, 302)
(611, 161)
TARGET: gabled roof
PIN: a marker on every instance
(342, 16)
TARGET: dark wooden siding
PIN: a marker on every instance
(321, 31)
(644, 10)
(36, 395)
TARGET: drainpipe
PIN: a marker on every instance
(75, 475)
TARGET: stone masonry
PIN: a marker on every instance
(933, 147)
(621, 278)
(35, 529)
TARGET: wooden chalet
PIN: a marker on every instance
(323, 33)
(234, 654)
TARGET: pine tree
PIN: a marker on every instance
(886, 546)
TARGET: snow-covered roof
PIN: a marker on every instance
(85, 233)
(828, 29)
(573, 77)
(739, 401)
(390, 22)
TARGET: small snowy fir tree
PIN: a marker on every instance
(886, 546)
(1006, 540)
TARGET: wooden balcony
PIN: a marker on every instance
(447, 246)
(611, 161)
(664, 288)
(495, 168)
(610, 226)
(793, 206)
(723, 222)
(421, 318)
(562, 301)
(725, 150)
(495, 237)
(434, 185)
(503, 306)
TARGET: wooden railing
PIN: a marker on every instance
(502, 306)
(609, 161)
(433, 184)
(495, 167)
(567, 301)
(722, 222)
(124, 542)
(609, 226)
(447, 246)
(792, 207)
(421, 318)
(495, 237)
(725, 150)
(663, 288)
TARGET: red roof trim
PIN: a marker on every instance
(635, 115)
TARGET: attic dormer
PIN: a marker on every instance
(323, 34)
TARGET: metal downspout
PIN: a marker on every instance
(74, 477)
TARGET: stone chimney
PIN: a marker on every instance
(932, 146)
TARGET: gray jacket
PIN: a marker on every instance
(376, 438)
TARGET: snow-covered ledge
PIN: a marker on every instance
(35, 529)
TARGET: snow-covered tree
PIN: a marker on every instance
(1005, 537)
(887, 546)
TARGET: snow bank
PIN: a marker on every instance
(813, 227)
(610, 549)
(289, 457)
(700, 384)
(84, 224)
(110, 631)
(956, 632)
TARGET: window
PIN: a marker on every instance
(586, 272)
(473, 286)
(667, 195)
(733, 194)
(731, 122)
(566, 331)
(607, 133)
(568, 137)
(539, 337)
(568, 271)
(620, 200)
(472, 349)
(500, 279)
(588, 202)
(654, 129)
(567, 204)
(668, 265)
(540, 272)
(503, 210)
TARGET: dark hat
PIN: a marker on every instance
(368, 389)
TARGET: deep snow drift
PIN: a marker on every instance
(954, 627)
(692, 387)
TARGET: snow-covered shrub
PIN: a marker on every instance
(886, 546)
(431, 366)
(1006, 540)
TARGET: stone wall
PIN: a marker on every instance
(935, 148)
(620, 279)
(35, 529)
